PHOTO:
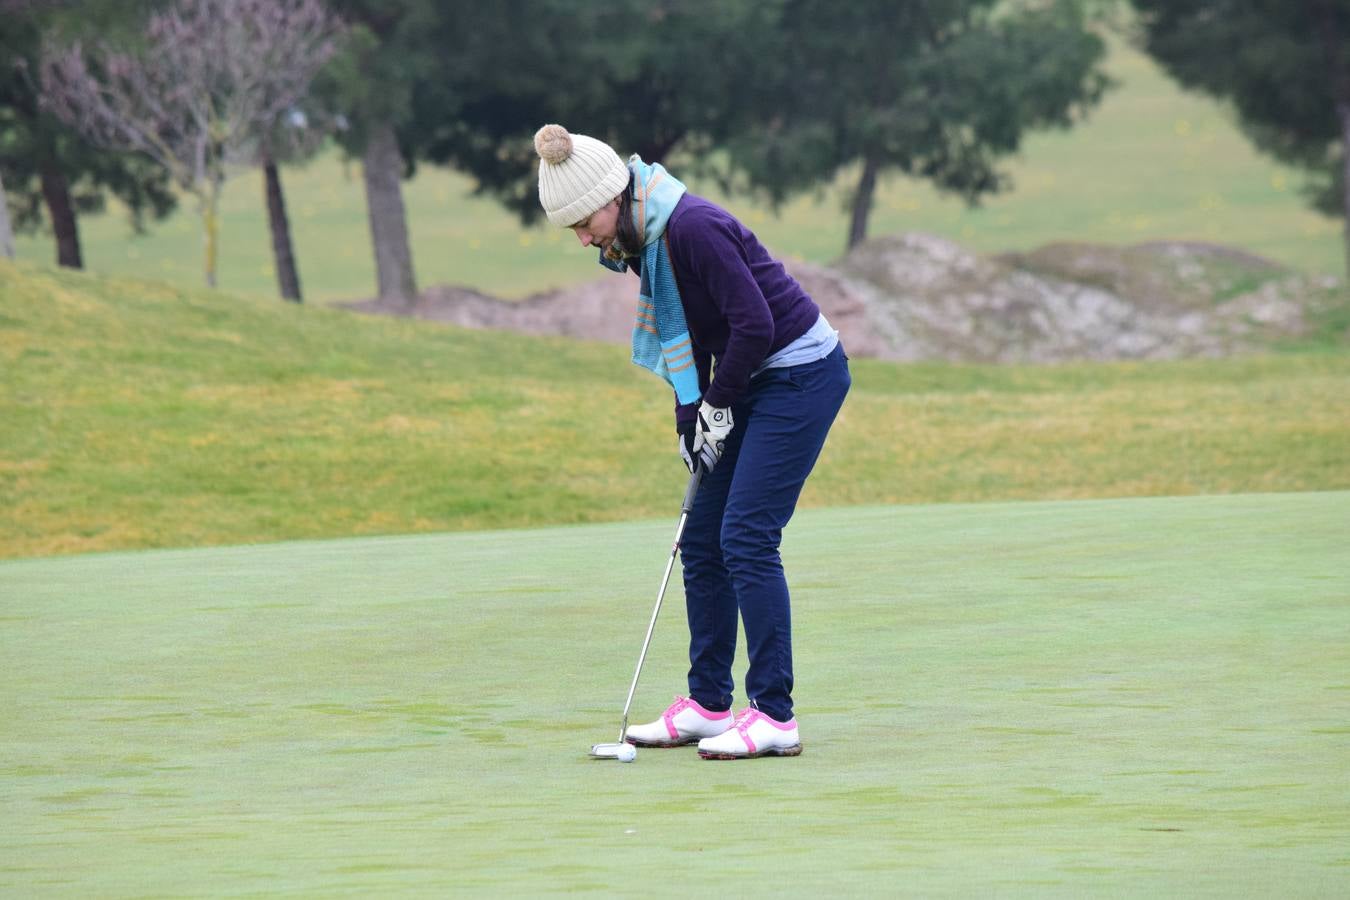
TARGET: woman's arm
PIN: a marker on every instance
(712, 250)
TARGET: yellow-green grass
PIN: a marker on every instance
(1103, 698)
(137, 414)
(1150, 163)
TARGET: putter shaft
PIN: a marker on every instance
(685, 509)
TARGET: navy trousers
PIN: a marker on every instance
(730, 545)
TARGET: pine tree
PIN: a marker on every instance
(1284, 67)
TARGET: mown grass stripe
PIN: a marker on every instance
(1066, 698)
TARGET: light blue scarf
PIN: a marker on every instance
(661, 341)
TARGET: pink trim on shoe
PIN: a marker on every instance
(781, 726)
(750, 716)
(745, 719)
(707, 713)
(683, 703)
(671, 712)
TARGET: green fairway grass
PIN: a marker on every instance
(1093, 698)
(135, 414)
(1152, 163)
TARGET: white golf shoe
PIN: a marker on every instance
(683, 722)
(753, 734)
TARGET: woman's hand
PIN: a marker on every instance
(710, 437)
(702, 441)
(687, 452)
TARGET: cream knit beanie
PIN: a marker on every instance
(577, 174)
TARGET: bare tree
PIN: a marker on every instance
(201, 93)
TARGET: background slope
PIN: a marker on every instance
(136, 414)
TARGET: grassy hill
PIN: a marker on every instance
(137, 414)
(1091, 699)
(1151, 163)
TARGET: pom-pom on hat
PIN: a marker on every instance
(577, 174)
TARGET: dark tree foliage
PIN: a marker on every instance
(466, 85)
(1284, 67)
(391, 48)
(51, 174)
(775, 96)
(648, 77)
(937, 89)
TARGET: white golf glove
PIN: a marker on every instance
(710, 435)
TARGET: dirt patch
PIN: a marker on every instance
(1153, 275)
(929, 298)
(600, 310)
(604, 310)
(918, 297)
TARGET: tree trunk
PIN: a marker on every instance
(862, 202)
(211, 229)
(288, 279)
(383, 167)
(1343, 109)
(6, 232)
(56, 191)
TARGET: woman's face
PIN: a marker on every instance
(600, 228)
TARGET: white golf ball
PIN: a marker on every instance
(627, 753)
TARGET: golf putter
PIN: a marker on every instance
(614, 751)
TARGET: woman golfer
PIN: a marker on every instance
(755, 423)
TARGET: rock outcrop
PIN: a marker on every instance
(920, 297)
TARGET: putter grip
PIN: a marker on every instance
(694, 480)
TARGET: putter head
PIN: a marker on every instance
(625, 751)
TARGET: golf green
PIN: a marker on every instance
(1126, 698)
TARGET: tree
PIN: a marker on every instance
(294, 137)
(1284, 67)
(210, 79)
(631, 72)
(392, 48)
(52, 174)
(283, 251)
(939, 89)
(942, 90)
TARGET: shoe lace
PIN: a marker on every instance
(681, 703)
(745, 718)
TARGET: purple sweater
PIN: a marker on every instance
(739, 302)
